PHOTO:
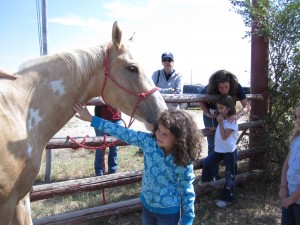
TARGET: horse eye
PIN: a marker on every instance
(133, 69)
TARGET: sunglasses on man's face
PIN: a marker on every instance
(167, 60)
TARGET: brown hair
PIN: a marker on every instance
(188, 137)
(227, 101)
(222, 76)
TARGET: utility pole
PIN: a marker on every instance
(48, 170)
(259, 85)
(44, 27)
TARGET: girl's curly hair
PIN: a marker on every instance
(222, 76)
(188, 137)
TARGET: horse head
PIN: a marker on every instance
(125, 83)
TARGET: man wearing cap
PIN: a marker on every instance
(167, 79)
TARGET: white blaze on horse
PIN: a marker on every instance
(36, 105)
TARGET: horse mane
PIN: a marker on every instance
(81, 62)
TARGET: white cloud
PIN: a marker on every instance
(127, 10)
(90, 24)
(204, 36)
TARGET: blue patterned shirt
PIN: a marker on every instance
(165, 186)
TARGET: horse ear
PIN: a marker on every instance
(132, 39)
(116, 35)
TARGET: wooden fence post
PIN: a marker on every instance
(259, 85)
(48, 165)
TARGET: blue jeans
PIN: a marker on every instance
(149, 218)
(112, 156)
(291, 215)
(230, 162)
(208, 122)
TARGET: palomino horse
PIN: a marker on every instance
(36, 105)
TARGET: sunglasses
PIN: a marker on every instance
(167, 60)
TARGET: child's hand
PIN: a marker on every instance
(220, 118)
(211, 128)
(286, 202)
(283, 193)
(7, 75)
(84, 114)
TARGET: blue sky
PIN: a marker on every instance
(204, 36)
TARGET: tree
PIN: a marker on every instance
(279, 22)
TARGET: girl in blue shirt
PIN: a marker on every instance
(290, 178)
(169, 152)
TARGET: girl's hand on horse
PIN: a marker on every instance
(7, 75)
(83, 112)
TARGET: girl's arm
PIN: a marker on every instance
(205, 110)
(7, 75)
(286, 202)
(246, 108)
(225, 133)
(186, 179)
(129, 136)
(283, 192)
(82, 111)
(283, 180)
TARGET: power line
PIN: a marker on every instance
(38, 14)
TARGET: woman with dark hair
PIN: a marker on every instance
(222, 82)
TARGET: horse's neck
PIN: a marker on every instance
(47, 101)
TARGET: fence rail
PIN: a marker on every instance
(61, 142)
(184, 98)
(46, 191)
(132, 205)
